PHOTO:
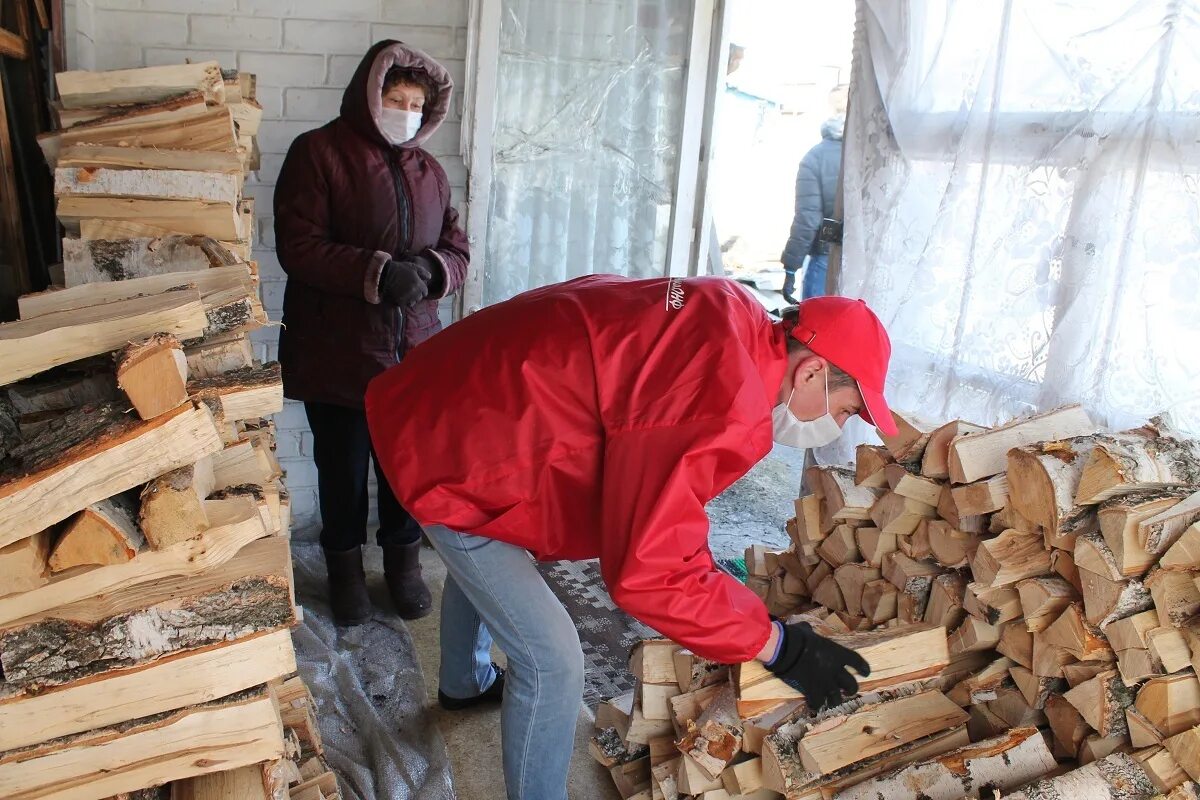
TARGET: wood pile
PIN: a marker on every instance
(1028, 597)
(146, 589)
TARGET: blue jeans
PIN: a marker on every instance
(494, 589)
(814, 276)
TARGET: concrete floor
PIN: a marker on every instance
(473, 737)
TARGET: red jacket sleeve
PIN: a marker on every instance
(452, 252)
(655, 556)
(303, 232)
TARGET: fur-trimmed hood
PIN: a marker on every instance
(362, 103)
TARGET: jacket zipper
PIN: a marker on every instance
(403, 212)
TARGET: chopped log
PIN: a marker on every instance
(91, 261)
(1036, 691)
(1093, 554)
(218, 220)
(221, 354)
(1016, 642)
(1142, 732)
(1159, 532)
(981, 497)
(60, 393)
(1170, 647)
(1161, 768)
(686, 708)
(664, 776)
(1075, 635)
(879, 601)
(84, 89)
(102, 534)
(829, 594)
(1120, 524)
(1078, 672)
(89, 155)
(949, 546)
(963, 522)
(1043, 478)
(869, 461)
(892, 513)
(244, 462)
(1171, 703)
(984, 724)
(1043, 600)
(897, 655)
(653, 661)
(1066, 723)
(693, 672)
(914, 487)
(1184, 554)
(656, 700)
(945, 606)
(935, 463)
(179, 680)
(641, 730)
(716, 737)
(1010, 557)
(244, 394)
(874, 729)
(211, 131)
(757, 728)
(31, 346)
(1102, 702)
(743, 778)
(874, 545)
(24, 564)
(95, 454)
(842, 500)
(981, 455)
(217, 285)
(851, 579)
(839, 547)
(911, 439)
(163, 184)
(615, 713)
(173, 505)
(1150, 457)
(993, 605)
(237, 731)
(972, 635)
(981, 686)
(917, 545)
(153, 374)
(1116, 777)
(235, 525)
(691, 779)
(1009, 518)
(1096, 747)
(999, 764)
(1185, 749)
(1106, 600)
(1136, 665)
(1011, 706)
(245, 783)
(1176, 596)
(249, 594)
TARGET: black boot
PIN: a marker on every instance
(348, 586)
(402, 570)
(493, 694)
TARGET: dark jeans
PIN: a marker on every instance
(343, 455)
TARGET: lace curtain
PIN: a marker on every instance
(1022, 205)
(589, 114)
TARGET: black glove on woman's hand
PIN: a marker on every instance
(404, 283)
(816, 666)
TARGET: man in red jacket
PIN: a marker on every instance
(595, 419)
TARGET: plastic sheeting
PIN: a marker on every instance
(589, 116)
(370, 695)
(1022, 197)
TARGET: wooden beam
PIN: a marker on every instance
(235, 525)
(238, 731)
(31, 346)
(115, 455)
(171, 683)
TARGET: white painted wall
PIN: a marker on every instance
(303, 52)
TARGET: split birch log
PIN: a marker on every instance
(935, 462)
(1037, 691)
(893, 513)
(85, 89)
(108, 123)
(744, 778)
(948, 511)
(980, 455)
(63, 392)
(102, 534)
(994, 605)
(24, 565)
(874, 545)
(221, 354)
(949, 546)
(1184, 554)
(914, 487)
(1171, 703)
(95, 454)
(246, 783)
(1043, 600)
(1120, 524)
(236, 523)
(212, 131)
(874, 729)
(1170, 646)
(841, 499)
(87, 261)
(1043, 478)
(1010, 557)
(1117, 777)
(1185, 749)
(236, 731)
(128, 157)
(1102, 702)
(945, 606)
(981, 497)
(1106, 600)
(1066, 724)
(973, 635)
(251, 593)
(879, 600)
(913, 578)
(32, 346)
(1074, 634)
(908, 445)
(851, 579)
(173, 505)
(1158, 533)
(1176, 596)
(162, 184)
(1150, 457)
(1164, 771)
(153, 374)
(244, 394)
(999, 764)
(839, 547)
(218, 220)
(716, 737)
(869, 463)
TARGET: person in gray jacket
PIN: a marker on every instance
(816, 189)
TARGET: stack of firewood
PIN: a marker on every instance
(1028, 597)
(146, 591)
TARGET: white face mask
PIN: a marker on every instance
(804, 433)
(399, 126)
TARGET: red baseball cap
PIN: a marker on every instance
(849, 335)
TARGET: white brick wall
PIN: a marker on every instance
(303, 52)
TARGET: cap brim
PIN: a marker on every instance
(876, 411)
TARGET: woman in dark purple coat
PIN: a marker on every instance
(370, 242)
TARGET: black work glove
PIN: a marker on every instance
(404, 283)
(816, 666)
(789, 286)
